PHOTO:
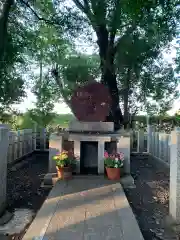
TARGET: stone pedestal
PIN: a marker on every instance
(77, 150)
(77, 126)
(174, 198)
(4, 143)
(123, 145)
(78, 138)
(55, 146)
(101, 157)
(121, 137)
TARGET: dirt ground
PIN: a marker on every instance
(23, 185)
(150, 199)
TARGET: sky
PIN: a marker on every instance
(62, 108)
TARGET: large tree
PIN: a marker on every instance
(118, 25)
(5, 7)
(114, 21)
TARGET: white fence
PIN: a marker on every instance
(165, 148)
(13, 146)
(24, 142)
(3, 165)
(152, 142)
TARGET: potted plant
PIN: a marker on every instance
(64, 165)
(113, 163)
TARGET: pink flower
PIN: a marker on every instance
(121, 156)
(106, 155)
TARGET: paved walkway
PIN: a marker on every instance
(85, 208)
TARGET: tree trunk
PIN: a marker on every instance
(115, 114)
(108, 75)
(126, 98)
(5, 6)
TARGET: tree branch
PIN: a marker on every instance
(39, 17)
(60, 84)
(120, 40)
(86, 9)
(80, 6)
(114, 22)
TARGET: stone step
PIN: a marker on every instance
(50, 179)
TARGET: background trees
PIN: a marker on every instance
(128, 37)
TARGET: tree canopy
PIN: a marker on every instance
(128, 37)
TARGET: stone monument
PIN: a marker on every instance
(90, 133)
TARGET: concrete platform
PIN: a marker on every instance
(85, 208)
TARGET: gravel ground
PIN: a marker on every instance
(150, 199)
(23, 184)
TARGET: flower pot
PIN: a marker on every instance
(64, 172)
(113, 173)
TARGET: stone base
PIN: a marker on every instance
(91, 126)
(121, 142)
(21, 218)
(5, 218)
(127, 181)
(171, 224)
(50, 179)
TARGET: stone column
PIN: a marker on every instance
(150, 130)
(77, 149)
(166, 146)
(140, 142)
(100, 157)
(15, 146)
(156, 150)
(4, 143)
(169, 147)
(55, 146)
(174, 199)
(161, 146)
(123, 145)
(131, 139)
(34, 135)
(42, 138)
(177, 129)
(20, 151)
(30, 139)
(10, 148)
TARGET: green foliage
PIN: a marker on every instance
(113, 160)
(12, 84)
(64, 160)
(62, 120)
(130, 36)
(45, 94)
(23, 121)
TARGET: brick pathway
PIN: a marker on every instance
(86, 208)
